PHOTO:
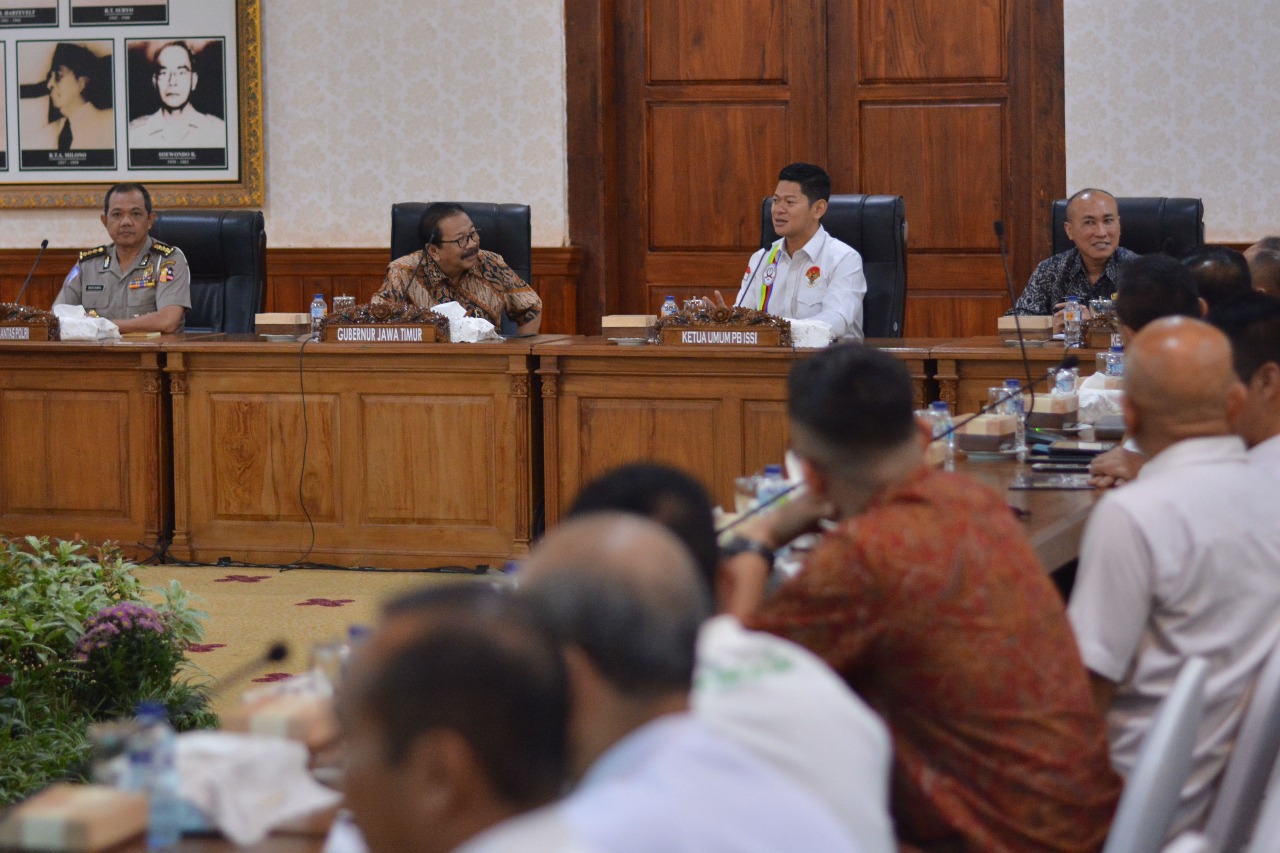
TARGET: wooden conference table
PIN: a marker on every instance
(403, 456)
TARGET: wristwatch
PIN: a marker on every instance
(738, 544)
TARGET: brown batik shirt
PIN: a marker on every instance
(486, 290)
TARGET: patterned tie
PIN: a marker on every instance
(64, 138)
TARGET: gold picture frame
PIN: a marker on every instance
(247, 190)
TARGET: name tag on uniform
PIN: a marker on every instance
(93, 287)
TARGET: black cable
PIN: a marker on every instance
(306, 437)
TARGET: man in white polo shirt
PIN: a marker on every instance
(1185, 560)
(806, 274)
(1253, 324)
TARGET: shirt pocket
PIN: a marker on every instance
(142, 300)
(809, 297)
(95, 300)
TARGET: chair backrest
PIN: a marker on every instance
(1147, 225)
(1235, 810)
(506, 229)
(875, 225)
(1188, 842)
(1152, 790)
(227, 253)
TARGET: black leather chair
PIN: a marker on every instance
(227, 252)
(505, 229)
(875, 225)
(1147, 225)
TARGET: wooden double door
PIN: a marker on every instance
(681, 114)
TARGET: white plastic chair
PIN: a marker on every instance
(1266, 835)
(1243, 782)
(1188, 842)
(1164, 762)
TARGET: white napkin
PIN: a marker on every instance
(810, 333)
(76, 325)
(1096, 400)
(246, 784)
(464, 329)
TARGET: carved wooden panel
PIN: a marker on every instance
(256, 465)
(945, 159)
(717, 40)
(422, 458)
(61, 452)
(707, 164)
(931, 40)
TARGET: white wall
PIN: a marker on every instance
(369, 102)
(1178, 99)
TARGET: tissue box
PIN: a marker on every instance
(1054, 411)
(1034, 328)
(988, 434)
(627, 325)
(282, 324)
(301, 717)
(82, 818)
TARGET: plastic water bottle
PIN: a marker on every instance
(942, 427)
(669, 306)
(318, 311)
(1016, 406)
(1072, 314)
(152, 769)
(771, 485)
(1065, 381)
(1115, 357)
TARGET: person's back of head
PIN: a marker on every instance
(664, 494)
(1264, 269)
(814, 181)
(850, 405)
(1220, 273)
(1252, 322)
(1154, 286)
(455, 716)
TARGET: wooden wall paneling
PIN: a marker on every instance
(928, 40)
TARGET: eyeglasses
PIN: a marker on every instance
(466, 239)
(173, 74)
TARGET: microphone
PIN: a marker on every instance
(275, 653)
(44, 244)
(998, 226)
(1069, 361)
(747, 286)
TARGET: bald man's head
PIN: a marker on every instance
(626, 592)
(1179, 383)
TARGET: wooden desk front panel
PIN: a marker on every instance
(717, 414)
(968, 367)
(414, 457)
(84, 443)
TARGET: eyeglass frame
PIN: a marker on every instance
(167, 74)
(465, 240)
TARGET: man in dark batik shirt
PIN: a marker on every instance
(1087, 270)
(451, 267)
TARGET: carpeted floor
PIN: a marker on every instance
(249, 609)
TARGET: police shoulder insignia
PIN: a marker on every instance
(94, 252)
(163, 248)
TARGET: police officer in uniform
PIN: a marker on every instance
(140, 284)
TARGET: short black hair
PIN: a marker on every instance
(1252, 322)
(1154, 286)
(1220, 273)
(1265, 271)
(665, 494)
(127, 187)
(814, 181)
(191, 56)
(429, 224)
(854, 399)
(485, 667)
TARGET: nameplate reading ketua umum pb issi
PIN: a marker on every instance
(380, 333)
(724, 336)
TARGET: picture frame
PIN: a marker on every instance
(180, 89)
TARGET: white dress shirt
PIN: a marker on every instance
(1183, 561)
(823, 281)
(1267, 456)
(786, 705)
(677, 786)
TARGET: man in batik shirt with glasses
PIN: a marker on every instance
(451, 267)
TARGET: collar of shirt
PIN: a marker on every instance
(810, 250)
(1267, 451)
(1209, 450)
(1108, 269)
(119, 268)
(631, 753)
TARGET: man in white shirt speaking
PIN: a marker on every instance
(806, 274)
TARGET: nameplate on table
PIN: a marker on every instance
(24, 332)
(380, 333)
(722, 336)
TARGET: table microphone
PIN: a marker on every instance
(745, 287)
(1069, 361)
(998, 226)
(275, 653)
(44, 244)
